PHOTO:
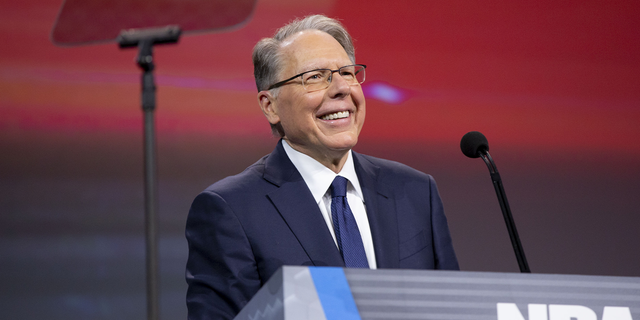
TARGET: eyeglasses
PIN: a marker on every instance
(319, 79)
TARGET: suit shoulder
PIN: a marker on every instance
(243, 182)
(395, 170)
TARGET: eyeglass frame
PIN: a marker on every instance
(283, 82)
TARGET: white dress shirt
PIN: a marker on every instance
(319, 178)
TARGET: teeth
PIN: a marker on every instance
(334, 116)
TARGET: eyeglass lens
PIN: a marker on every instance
(319, 79)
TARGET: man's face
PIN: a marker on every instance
(302, 114)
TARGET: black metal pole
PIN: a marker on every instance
(145, 39)
(506, 213)
(145, 62)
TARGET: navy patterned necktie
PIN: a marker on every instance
(345, 226)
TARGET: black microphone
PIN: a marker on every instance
(474, 144)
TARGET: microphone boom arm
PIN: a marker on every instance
(506, 211)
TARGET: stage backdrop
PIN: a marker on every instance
(554, 85)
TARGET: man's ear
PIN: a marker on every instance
(268, 105)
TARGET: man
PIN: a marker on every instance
(287, 208)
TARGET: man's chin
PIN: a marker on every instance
(341, 144)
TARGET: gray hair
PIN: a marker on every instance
(267, 59)
(266, 54)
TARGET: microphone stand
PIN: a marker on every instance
(506, 211)
(144, 39)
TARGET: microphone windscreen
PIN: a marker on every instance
(473, 143)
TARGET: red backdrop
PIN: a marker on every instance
(554, 85)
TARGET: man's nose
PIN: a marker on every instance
(338, 85)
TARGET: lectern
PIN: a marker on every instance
(326, 293)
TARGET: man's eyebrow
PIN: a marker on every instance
(318, 66)
(311, 68)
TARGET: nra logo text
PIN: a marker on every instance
(509, 311)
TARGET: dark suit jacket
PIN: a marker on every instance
(243, 228)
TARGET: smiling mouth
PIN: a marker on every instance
(335, 115)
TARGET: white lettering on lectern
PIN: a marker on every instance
(510, 311)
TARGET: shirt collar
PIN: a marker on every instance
(318, 177)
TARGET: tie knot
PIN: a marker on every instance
(339, 187)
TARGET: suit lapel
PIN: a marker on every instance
(296, 205)
(381, 212)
